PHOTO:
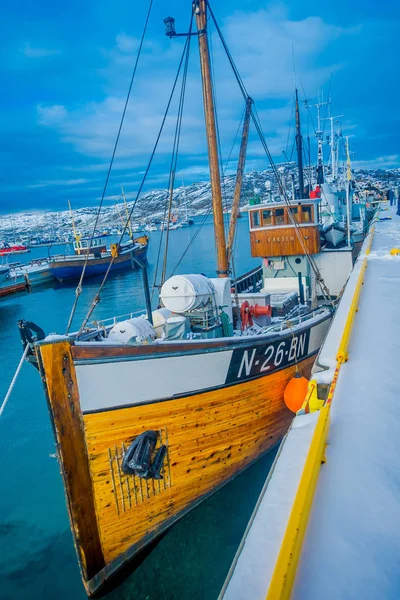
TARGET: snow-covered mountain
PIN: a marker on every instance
(152, 205)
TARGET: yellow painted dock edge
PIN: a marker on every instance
(285, 569)
(286, 565)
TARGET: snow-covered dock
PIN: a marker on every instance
(332, 531)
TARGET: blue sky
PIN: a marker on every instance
(65, 70)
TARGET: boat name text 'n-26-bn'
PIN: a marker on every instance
(265, 358)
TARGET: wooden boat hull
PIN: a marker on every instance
(72, 269)
(233, 414)
(8, 288)
(32, 277)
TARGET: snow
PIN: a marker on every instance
(352, 544)
(327, 355)
(255, 560)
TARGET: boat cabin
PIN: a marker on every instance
(275, 228)
(96, 247)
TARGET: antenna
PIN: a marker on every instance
(319, 135)
(294, 67)
(332, 143)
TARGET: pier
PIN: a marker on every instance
(327, 520)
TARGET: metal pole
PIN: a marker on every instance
(239, 179)
(299, 146)
(348, 213)
(146, 288)
(301, 288)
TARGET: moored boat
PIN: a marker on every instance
(7, 249)
(4, 271)
(36, 272)
(153, 413)
(92, 253)
(334, 234)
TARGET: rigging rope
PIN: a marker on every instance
(200, 226)
(175, 152)
(192, 239)
(14, 379)
(258, 127)
(78, 290)
(96, 299)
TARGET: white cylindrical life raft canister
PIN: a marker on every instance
(182, 293)
(132, 331)
(160, 316)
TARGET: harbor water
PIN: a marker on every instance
(36, 548)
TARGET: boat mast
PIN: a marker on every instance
(239, 179)
(128, 221)
(299, 146)
(348, 210)
(76, 236)
(184, 199)
(200, 11)
(332, 144)
(319, 135)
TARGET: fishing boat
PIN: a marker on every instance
(36, 272)
(93, 251)
(334, 234)
(7, 248)
(154, 412)
(343, 221)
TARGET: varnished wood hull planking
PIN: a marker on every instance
(211, 437)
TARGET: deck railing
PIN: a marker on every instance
(250, 282)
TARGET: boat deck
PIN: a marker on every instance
(332, 531)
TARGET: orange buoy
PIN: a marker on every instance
(295, 392)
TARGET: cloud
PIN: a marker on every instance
(381, 162)
(126, 43)
(51, 116)
(35, 52)
(264, 59)
(57, 182)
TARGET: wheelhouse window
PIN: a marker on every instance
(293, 214)
(266, 217)
(279, 216)
(307, 214)
(255, 218)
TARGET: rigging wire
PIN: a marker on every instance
(258, 127)
(175, 153)
(192, 239)
(96, 299)
(214, 95)
(78, 290)
(200, 226)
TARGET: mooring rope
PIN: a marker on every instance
(14, 379)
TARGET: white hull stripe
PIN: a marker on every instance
(110, 385)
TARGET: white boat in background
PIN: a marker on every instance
(334, 234)
(34, 273)
(4, 271)
(150, 227)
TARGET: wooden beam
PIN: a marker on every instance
(58, 373)
(201, 22)
(239, 179)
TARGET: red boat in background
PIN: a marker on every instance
(6, 248)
